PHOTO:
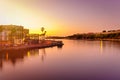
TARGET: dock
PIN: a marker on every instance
(43, 44)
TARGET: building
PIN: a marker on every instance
(26, 32)
(13, 34)
(32, 39)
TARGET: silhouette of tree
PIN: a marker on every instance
(104, 31)
(43, 33)
(42, 29)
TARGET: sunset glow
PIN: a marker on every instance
(59, 39)
(61, 17)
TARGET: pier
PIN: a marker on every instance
(43, 44)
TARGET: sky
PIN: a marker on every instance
(61, 17)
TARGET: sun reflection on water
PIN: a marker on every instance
(28, 54)
(101, 47)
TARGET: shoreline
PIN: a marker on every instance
(45, 44)
(97, 39)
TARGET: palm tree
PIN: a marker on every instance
(42, 29)
(43, 33)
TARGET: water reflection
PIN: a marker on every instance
(42, 53)
(106, 45)
(101, 46)
(17, 55)
(14, 56)
(80, 60)
(1, 64)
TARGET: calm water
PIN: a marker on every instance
(76, 60)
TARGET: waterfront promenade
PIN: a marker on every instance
(42, 44)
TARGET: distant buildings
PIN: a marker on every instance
(12, 34)
(111, 31)
(32, 39)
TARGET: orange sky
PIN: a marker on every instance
(61, 17)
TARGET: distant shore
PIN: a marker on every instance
(98, 39)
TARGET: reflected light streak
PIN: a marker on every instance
(101, 46)
(28, 54)
(7, 56)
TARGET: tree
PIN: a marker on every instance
(104, 31)
(42, 29)
(43, 33)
